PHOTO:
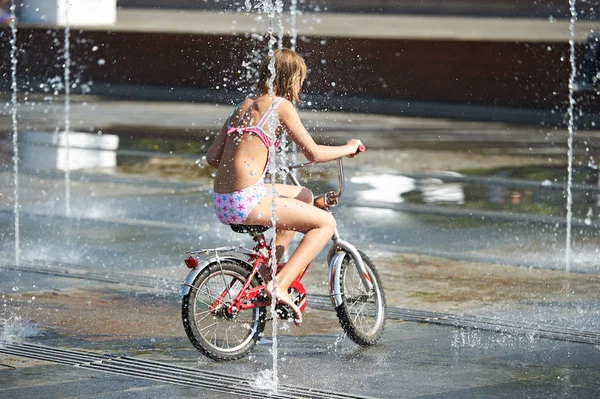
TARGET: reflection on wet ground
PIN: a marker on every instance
(526, 190)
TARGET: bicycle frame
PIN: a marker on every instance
(260, 254)
(246, 298)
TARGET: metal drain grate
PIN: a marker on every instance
(161, 285)
(47, 353)
(162, 372)
(323, 302)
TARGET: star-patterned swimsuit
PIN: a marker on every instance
(234, 208)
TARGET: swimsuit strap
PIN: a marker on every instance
(233, 112)
(249, 129)
(265, 117)
(257, 129)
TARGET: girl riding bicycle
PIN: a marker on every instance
(241, 153)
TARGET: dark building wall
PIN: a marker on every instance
(504, 8)
(503, 74)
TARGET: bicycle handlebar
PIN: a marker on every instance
(340, 167)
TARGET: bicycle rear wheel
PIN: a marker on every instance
(362, 313)
(215, 332)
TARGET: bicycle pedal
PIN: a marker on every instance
(284, 312)
(263, 296)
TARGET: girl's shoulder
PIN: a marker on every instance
(248, 101)
(243, 106)
(285, 105)
(264, 102)
(284, 101)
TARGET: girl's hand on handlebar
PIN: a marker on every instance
(358, 147)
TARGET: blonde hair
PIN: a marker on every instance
(290, 71)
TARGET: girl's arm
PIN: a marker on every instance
(300, 136)
(215, 152)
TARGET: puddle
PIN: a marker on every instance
(527, 190)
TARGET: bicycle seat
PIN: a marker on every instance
(242, 228)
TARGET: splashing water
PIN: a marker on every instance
(293, 31)
(15, 130)
(280, 30)
(253, 60)
(67, 46)
(588, 217)
(288, 145)
(476, 339)
(273, 121)
(269, 378)
(17, 328)
(571, 115)
(265, 380)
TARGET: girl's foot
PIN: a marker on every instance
(283, 297)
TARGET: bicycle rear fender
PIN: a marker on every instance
(187, 284)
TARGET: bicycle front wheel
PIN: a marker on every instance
(214, 331)
(362, 313)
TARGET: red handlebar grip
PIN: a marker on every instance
(361, 148)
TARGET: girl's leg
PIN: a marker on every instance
(284, 237)
(295, 215)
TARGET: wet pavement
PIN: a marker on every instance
(491, 311)
(135, 239)
(103, 341)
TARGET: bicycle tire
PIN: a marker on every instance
(362, 314)
(211, 332)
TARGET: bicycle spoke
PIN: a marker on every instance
(210, 296)
(359, 312)
(359, 324)
(207, 304)
(208, 326)
(204, 336)
(235, 336)
(214, 335)
(203, 317)
(228, 286)
(351, 302)
(359, 315)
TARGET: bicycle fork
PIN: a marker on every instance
(339, 250)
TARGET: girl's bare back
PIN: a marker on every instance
(245, 155)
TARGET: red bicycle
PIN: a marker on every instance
(224, 306)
